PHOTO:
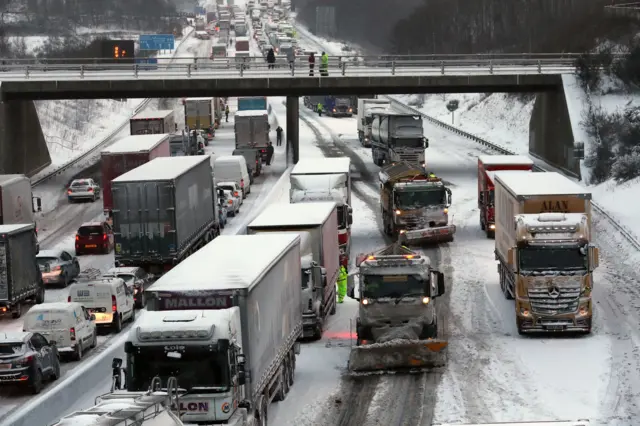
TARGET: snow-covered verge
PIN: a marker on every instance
(72, 127)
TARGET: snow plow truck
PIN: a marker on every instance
(397, 326)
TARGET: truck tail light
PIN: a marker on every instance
(72, 333)
(343, 238)
(77, 238)
(105, 237)
(114, 305)
(90, 189)
(69, 299)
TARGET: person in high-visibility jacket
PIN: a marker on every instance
(320, 108)
(324, 65)
(342, 284)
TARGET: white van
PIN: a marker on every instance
(109, 299)
(233, 168)
(70, 325)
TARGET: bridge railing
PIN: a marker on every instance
(475, 58)
(257, 67)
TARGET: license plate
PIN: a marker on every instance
(427, 233)
(91, 246)
(554, 327)
(102, 317)
(5, 366)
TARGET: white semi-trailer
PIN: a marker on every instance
(225, 323)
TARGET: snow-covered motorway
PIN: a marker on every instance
(58, 225)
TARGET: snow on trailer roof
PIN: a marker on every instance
(200, 99)
(162, 168)
(524, 183)
(251, 112)
(242, 39)
(209, 320)
(299, 214)
(238, 261)
(9, 229)
(10, 178)
(318, 166)
(137, 143)
(552, 219)
(498, 160)
(147, 115)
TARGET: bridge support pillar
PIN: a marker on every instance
(23, 149)
(293, 133)
(550, 133)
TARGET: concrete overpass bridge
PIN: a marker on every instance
(22, 82)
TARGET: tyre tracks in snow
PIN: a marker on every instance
(402, 399)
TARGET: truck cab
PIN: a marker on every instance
(487, 166)
(415, 206)
(202, 350)
(396, 288)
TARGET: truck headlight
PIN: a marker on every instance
(446, 211)
(492, 227)
(426, 300)
(398, 212)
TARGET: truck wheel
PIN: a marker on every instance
(519, 325)
(262, 414)
(317, 335)
(333, 308)
(16, 314)
(482, 222)
(40, 295)
(280, 394)
(292, 371)
(286, 382)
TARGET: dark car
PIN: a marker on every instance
(135, 278)
(94, 237)
(57, 267)
(28, 359)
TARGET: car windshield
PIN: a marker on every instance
(552, 259)
(77, 183)
(43, 261)
(381, 286)
(227, 188)
(86, 231)
(11, 348)
(127, 278)
(420, 198)
(193, 369)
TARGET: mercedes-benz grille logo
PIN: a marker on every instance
(554, 292)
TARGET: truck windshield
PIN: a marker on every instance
(199, 369)
(492, 196)
(343, 101)
(420, 198)
(381, 286)
(342, 217)
(540, 259)
(409, 143)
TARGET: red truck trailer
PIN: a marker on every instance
(487, 164)
(127, 154)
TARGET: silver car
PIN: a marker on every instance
(83, 189)
(233, 203)
(57, 267)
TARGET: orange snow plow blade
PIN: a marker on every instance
(398, 355)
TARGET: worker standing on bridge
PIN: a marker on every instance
(342, 284)
(271, 59)
(324, 65)
(226, 113)
(312, 63)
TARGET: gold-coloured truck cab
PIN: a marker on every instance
(553, 264)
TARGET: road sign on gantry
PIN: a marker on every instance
(157, 42)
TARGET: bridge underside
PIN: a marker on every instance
(23, 148)
(283, 86)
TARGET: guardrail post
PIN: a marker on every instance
(81, 71)
(188, 70)
(242, 69)
(26, 71)
(490, 67)
(293, 68)
(442, 67)
(539, 68)
(135, 70)
(343, 65)
(393, 67)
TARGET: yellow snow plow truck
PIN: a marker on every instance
(414, 205)
(397, 326)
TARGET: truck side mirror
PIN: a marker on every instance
(38, 204)
(594, 258)
(438, 288)
(426, 142)
(481, 197)
(242, 374)
(511, 254)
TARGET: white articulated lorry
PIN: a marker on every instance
(225, 323)
(534, 423)
(317, 225)
(326, 179)
(366, 109)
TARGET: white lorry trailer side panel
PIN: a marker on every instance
(324, 166)
(15, 200)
